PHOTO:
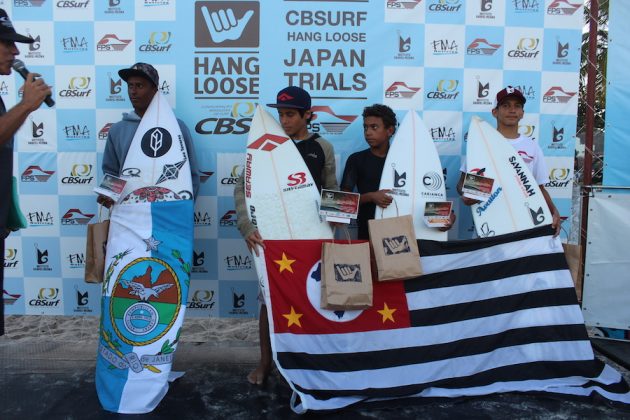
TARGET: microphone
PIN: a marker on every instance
(18, 66)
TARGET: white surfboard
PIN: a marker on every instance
(147, 267)
(516, 202)
(281, 196)
(414, 174)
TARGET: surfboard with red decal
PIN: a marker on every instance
(516, 202)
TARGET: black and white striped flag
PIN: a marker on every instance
(489, 315)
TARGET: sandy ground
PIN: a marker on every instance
(85, 329)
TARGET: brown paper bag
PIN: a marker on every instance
(346, 276)
(95, 249)
(395, 248)
(573, 253)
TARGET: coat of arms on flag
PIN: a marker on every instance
(489, 315)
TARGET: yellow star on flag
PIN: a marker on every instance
(387, 313)
(293, 317)
(284, 263)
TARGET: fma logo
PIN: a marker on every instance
(11, 258)
(76, 217)
(4, 88)
(40, 218)
(79, 87)
(562, 7)
(111, 42)
(481, 46)
(267, 142)
(36, 174)
(228, 219)
(76, 261)
(238, 262)
(201, 299)
(526, 6)
(224, 24)
(102, 134)
(401, 90)
(202, 218)
(80, 173)
(76, 132)
(444, 47)
(526, 48)
(445, 90)
(557, 95)
(238, 122)
(74, 44)
(410, 4)
(443, 134)
(158, 42)
(445, 6)
(528, 91)
(333, 124)
(47, 296)
(234, 174)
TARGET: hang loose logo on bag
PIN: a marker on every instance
(347, 272)
(396, 245)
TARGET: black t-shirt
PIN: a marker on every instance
(363, 170)
(6, 174)
(313, 156)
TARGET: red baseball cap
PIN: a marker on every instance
(508, 92)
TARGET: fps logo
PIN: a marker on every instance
(158, 42)
(402, 5)
(329, 121)
(400, 90)
(563, 7)
(226, 24)
(78, 87)
(481, 46)
(238, 121)
(111, 42)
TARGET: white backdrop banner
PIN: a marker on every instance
(444, 58)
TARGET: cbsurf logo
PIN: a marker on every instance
(481, 46)
(445, 6)
(233, 177)
(111, 42)
(11, 258)
(158, 42)
(527, 130)
(78, 87)
(46, 297)
(526, 48)
(81, 173)
(201, 299)
(401, 90)
(36, 174)
(237, 122)
(324, 117)
(72, 4)
(446, 90)
(562, 8)
(559, 178)
(557, 95)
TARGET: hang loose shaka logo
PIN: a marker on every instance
(396, 245)
(223, 25)
(347, 272)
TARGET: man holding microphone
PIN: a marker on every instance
(35, 92)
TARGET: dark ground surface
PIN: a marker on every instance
(55, 380)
